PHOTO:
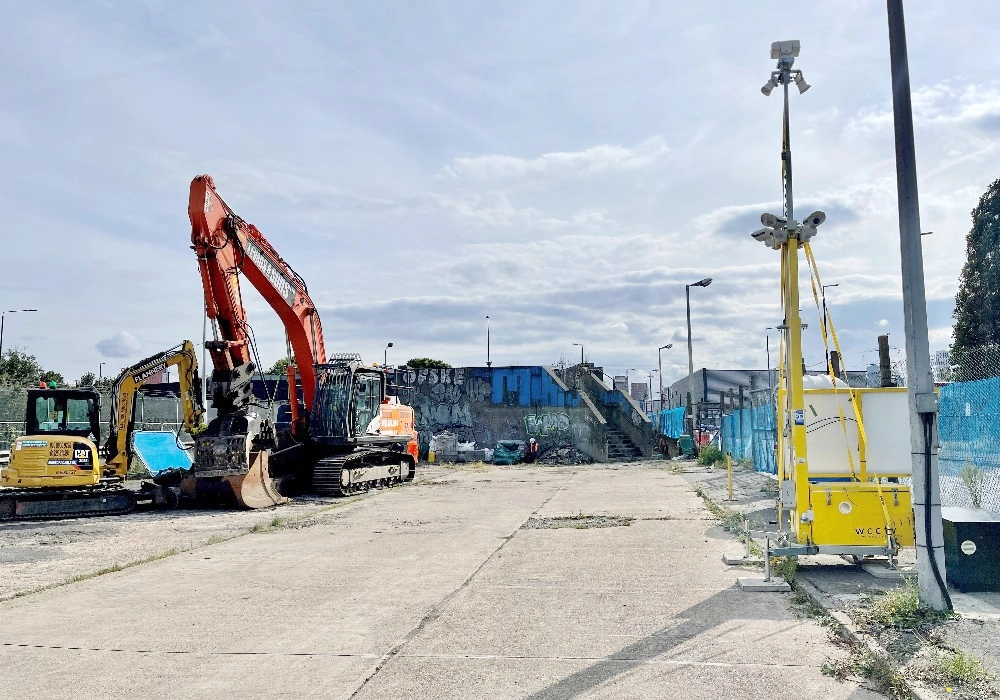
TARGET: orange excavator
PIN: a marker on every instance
(346, 435)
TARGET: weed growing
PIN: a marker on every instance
(959, 669)
(876, 669)
(898, 609)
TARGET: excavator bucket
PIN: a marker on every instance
(255, 489)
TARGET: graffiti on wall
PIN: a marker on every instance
(546, 423)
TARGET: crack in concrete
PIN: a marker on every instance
(438, 608)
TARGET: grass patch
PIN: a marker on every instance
(957, 668)
(876, 669)
(730, 520)
(898, 609)
(785, 567)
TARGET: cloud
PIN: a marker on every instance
(121, 344)
(882, 322)
(596, 160)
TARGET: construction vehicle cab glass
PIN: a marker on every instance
(64, 411)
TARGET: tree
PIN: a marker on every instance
(88, 379)
(52, 377)
(427, 363)
(279, 367)
(977, 303)
(19, 368)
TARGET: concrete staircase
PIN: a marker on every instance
(621, 448)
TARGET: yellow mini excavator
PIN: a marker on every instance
(56, 469)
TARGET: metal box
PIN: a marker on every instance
(853, 514)
(972, 548)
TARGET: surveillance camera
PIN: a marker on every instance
(762, 233)
(769, 86)
(772, 221)
(815, 219)
(780, 49)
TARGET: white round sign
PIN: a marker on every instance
(968, 547)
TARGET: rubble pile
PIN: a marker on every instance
(563, 455)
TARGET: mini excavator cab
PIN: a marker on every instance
(62, 428)
(348, 401)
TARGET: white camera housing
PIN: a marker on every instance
(780, 49)
(815, 219)
(772, 220)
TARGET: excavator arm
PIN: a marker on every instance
(226, 246)
(127, 385)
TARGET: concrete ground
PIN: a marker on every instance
(548, 582)
(842, 586)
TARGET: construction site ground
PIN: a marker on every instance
(843, 589)
(475, 581)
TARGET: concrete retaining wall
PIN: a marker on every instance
(487, 404)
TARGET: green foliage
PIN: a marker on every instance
(900, 609)
(18, 368)
(973, 478)
(279, 367)
(88, 379)
(52, 377)
(711, 455)
(785, 567)
(427, 363)
(977, 303)
(959, 668)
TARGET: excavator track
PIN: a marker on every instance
(361, 470)
(50, 504)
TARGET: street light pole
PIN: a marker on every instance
(931, 577)
(581, 351)
(687, 295)
(659, 356)
(100, 370)
(488, 363)
(3, 316)
(385, 355)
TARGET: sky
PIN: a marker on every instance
(564, 168)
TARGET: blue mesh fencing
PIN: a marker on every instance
(969, 433)
(748, 434)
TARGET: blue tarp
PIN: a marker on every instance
(160, 452)
(671, 422)
(749, 434)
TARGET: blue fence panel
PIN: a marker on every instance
(749, 434)
(670, 422)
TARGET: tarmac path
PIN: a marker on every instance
(474, 584)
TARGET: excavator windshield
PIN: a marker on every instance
(64, 412)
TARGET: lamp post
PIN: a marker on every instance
(687, 295)
(3, 316)
(100, 370)
(659, 356)
(767, 347)
(488, 363)
(385, 355)
(650, 374)
(581, 351)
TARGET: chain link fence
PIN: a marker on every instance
(162, 413)
(969, 429)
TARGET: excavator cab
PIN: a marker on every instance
(59, 446)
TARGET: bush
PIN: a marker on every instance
(711, 455)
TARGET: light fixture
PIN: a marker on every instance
(801, 83)
(769, 86)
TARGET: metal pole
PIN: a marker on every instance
(488, 363)
(3, 317)
(687, 297)
(659, 357)
(204, 363)
(923, 402)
